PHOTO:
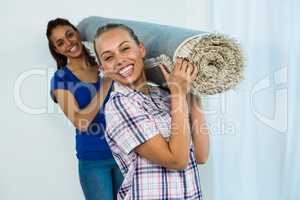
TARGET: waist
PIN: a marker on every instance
(92, 147)
(96, 128)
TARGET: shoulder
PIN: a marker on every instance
(123, 97)
(163, 93)
(60, 75)
(119, 102)
(59, 80)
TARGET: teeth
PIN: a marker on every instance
(126, 71)
(73, 49)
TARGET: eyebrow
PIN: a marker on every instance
(68, 31)
(118, 46)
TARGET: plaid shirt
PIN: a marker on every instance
(133, 118)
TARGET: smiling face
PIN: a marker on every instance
(121, 57)
(66, 41)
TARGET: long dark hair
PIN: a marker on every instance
(60, 59)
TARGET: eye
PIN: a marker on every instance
(108, 58)
(60, 43)
(70, 34)
(125, 48)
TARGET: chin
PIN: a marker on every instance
(126, 82)
(131, 80)
(77, 54)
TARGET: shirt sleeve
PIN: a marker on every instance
(128, 125)
(57, 82)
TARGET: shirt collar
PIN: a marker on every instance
(125, 90)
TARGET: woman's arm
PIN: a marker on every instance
(81, 118)
(199, 128)
(173, 154)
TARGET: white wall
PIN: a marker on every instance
(37, 142)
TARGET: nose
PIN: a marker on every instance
(120, 60)
(68, 42)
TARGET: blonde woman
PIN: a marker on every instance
(148, 129)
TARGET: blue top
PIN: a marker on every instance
(90, 145)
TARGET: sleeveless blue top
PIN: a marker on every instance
(90, 145)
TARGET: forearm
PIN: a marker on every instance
(180, 137)
(179, 82)
(200, 136)
(84, 117)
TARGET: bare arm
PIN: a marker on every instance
(200, 135)
(81, 118)
(175, 153)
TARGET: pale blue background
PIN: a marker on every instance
(261, 160)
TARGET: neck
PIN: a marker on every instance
(80, 62)
(141, 85)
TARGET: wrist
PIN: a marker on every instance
(178, 92)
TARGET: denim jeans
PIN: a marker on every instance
(100, 179)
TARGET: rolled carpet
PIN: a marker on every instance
(219, 59)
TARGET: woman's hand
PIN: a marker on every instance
(182, 76)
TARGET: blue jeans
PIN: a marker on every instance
(100, 179)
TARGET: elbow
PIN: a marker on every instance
(180, 161)
(179, 164)
(182, 165)
(202, 159)
(201, 162)
(81, 124)
(82, 129)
